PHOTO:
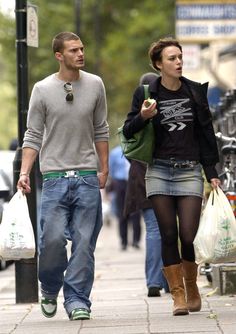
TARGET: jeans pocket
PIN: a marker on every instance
(91, 181)
(50, 183)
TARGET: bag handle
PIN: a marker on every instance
(146, 91)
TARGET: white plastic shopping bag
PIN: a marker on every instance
(215, 241)
(16, 233)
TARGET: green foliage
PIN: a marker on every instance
(130, 28)
(8, 122)
(116, 35)
(54, 16)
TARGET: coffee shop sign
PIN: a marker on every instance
(203, 22)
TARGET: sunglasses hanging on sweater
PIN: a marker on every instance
(69, 90)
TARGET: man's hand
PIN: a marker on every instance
(24, 184)
(102, 178)
(28, 157)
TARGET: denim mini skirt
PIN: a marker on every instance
(174, 178)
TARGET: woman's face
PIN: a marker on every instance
(171, 63)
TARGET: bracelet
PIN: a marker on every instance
(26, 174)
(104, 174)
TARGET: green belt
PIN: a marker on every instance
(69, 173)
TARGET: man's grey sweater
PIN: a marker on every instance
(65, 132)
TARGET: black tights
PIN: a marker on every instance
(167, 209)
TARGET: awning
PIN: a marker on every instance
(228, 51)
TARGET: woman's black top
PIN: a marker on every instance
(176, 116)
(183, 125)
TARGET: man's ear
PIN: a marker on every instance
(58, 56)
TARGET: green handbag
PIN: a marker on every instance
(141, 146)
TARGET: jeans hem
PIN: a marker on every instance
(76, 304)
(160, 286)
(49, 296)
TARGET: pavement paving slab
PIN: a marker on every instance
(119, 301)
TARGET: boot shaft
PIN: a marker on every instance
(190, 271)
(174, 276)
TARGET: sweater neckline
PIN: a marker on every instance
(55, 75)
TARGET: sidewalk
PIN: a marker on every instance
(120, 304)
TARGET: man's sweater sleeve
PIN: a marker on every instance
(101, 128)
(35, 121)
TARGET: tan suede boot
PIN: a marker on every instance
(190, 280)
(174, 276)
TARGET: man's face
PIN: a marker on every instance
(72, 55)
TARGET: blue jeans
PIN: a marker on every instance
(73, 204)
(153, 261)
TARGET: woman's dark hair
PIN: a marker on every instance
(156, 48)
(59, 39)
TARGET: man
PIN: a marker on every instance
(67, 124)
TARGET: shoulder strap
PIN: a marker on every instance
(146, 91)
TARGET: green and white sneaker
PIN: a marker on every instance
(48, 307)
(79, 314)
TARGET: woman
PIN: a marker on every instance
(184, 144)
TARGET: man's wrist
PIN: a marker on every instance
(24, 174)
(104, 173)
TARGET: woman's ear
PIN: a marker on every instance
(158, 65)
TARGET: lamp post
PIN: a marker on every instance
(26, 269)
(78, 16)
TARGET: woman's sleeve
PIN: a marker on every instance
(134, 121)
(210, 172)
(209, 155)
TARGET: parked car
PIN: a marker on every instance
(6, 185)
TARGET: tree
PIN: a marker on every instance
(127, 30)
(8, 124)
(116, 34)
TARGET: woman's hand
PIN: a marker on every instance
(148, 109)
(215, 183)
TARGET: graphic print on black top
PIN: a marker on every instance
(175, 113)
(176, 137)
